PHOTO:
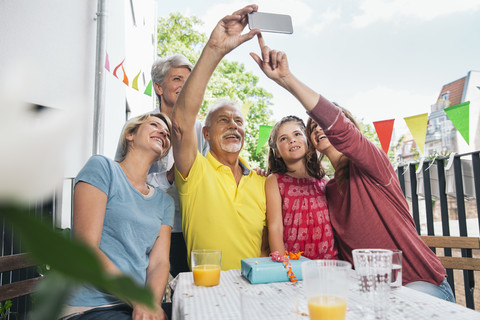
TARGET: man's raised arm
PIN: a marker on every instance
(226, 36)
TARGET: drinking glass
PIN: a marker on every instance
(206, 267)
(396, 269)
(326, 288)
(374, 269)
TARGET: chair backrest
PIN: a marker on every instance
(461, 263)
(19, 288)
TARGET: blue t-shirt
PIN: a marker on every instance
(130, 228)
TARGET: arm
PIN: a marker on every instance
(274, 215)
(157, 275)
(89, 206)
(224, 38)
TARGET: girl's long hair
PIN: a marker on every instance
(342, 171)
(277, 165)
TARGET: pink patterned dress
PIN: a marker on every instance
(306, 222)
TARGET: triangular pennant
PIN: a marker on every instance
(135, 81)
(418, 128)
(460, 116)
(384, 132)
(148, 89)
(125, 78)
(478, 88)
(263, 134)
(116, 68)
(107, 62)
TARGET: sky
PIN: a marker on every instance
(381, 59)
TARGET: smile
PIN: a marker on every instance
(232, 136)
(159, 140)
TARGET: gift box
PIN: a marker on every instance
(264, 270)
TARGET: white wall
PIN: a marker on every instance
(134, 44)
(51, 44)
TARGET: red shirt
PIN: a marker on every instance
(306, 222)
(372, 212)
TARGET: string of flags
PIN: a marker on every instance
(459, 115)
(148, 88)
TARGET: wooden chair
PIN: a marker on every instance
(22, 287)
(466, 262)
(459, 263)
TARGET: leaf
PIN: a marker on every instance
(52, 294)
(46, 246)
(71, 258)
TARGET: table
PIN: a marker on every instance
(191, 302)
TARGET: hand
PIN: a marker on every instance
(227, 35)
(260, 172)
(273, 63)
(143, 313)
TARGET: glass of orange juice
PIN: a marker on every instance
(206, 267)
(326, 284)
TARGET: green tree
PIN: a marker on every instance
(177, 34)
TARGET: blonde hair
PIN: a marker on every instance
(132, 127)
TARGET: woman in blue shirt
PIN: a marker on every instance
(126, 221)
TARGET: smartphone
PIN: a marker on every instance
(270, 22)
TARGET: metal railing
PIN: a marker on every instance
(10, 244)
(446, 186)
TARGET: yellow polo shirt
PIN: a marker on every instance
(218, 214)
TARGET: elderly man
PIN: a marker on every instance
(168, 75)
(222, 199)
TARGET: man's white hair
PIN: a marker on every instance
(217, 105)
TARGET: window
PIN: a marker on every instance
(445, 96)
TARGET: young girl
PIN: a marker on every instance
(297, 213)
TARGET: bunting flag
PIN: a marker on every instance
(460, 116)
(245, 109)
(148, 89)
(125, 78)
(478, 88)
(418, 128)
(107, 62)
(384, 132)
(135, 81)
(263, 134)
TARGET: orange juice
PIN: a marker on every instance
(206, 275)
(327, 308)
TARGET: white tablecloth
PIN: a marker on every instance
(222, 302)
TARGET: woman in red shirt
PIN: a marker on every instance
(367, 207)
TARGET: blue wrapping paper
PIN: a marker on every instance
(264, 270)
